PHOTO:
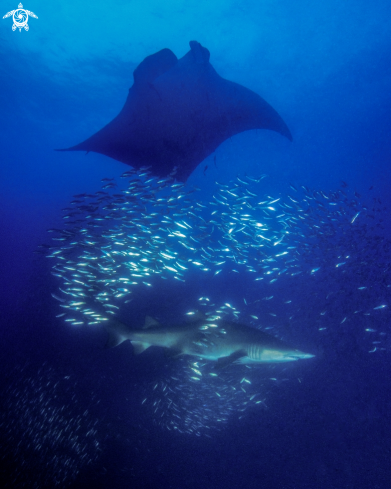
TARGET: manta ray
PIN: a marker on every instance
(177, 113)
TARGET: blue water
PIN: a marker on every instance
(325, 67)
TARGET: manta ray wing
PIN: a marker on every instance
(178, 112)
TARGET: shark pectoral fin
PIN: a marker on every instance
(172, 353)
(150, 323)
(224, 361)
(139, 347)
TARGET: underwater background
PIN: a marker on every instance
(74, 414)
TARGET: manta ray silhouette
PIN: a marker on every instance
(177, 113)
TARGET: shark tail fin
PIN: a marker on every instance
(118, 333)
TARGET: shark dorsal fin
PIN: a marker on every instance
(197, 316)
(150, 322)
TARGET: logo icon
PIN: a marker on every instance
(20, 17)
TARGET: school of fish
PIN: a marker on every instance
(307, 259)
(48, 436)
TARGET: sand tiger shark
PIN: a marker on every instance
(209, 338)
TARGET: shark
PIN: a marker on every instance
(208, 338)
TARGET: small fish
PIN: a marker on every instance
(355, 217)
(60, 299)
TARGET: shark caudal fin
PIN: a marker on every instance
(118, 333)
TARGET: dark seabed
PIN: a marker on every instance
(291, 238)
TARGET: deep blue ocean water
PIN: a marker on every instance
(72, 412)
